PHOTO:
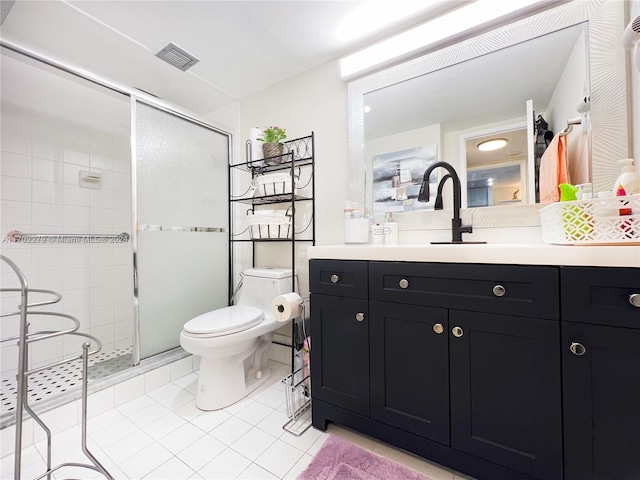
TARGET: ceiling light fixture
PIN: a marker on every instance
(412, 41)
(373, 16)
(493, 144)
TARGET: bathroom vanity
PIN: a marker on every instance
(501, 362)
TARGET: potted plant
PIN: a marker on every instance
(273, 146)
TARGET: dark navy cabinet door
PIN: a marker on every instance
(410, 368)
(601, 389)
(340, 351)
(506, 391)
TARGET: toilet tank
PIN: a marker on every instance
(261, 285)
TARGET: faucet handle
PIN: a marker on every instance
(466, 229)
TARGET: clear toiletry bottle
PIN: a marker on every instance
(390, 230)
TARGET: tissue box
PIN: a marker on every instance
(270, 224)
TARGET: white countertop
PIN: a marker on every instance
(517, 254)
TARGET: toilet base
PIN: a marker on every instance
(216, 373)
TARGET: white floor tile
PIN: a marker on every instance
(164, 425)
(177, 399)
(186, 381)
(172, 469)
(105, 420)
(253, 443)
(254, 413)
(254, 472)
(181, 438)
(317, 445)
(128, 446)
(279, 458)
(273, 423)
(231, 430)
(229, 464)
(135, 405)
(145, 461)
(240, 405)
(272, 397)
(164, 391)
(304, 441)
(188, 411)
(201, 452)
(207, 421)
(298, 467)
(111, 434)
(150, 414)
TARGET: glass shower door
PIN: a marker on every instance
(181, 227)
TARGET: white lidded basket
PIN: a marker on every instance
(597, 221)
(277, 183)
(269, 224)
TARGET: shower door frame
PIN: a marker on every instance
(134, 96)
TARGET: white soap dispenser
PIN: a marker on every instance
(628, 183)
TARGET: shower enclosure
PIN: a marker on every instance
(83, 162)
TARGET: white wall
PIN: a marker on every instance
(635, 96)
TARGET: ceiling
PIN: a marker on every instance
(243, 46)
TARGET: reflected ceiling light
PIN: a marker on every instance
(367, 109)
(446, 26)
(373, 16)
(493, 144)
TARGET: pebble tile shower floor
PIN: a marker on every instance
(43, 385)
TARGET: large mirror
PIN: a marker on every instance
(451, 100)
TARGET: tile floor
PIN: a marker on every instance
(162, 435)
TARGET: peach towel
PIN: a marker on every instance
(553, 169)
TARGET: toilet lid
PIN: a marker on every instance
(225, 321)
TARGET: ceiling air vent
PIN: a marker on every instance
(177, 57)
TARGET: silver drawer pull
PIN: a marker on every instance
(359, 316)
(457, 332)
(438, 328)
(634, 299)
(499, 290)
(404, 283)
(577, 349)
(335, 278)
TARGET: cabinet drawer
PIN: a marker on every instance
(601, 295)
(507, 289)
(341, 278)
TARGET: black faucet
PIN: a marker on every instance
(457, 229)
(438, 203)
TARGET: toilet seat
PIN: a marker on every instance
(224, 321)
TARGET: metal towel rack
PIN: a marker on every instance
(24, 339)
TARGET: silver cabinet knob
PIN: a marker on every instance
(404, 283)
(577, 349)
(438, 328)
(359, 316)
(634, 299)
(499, 290)
(457, 332)
(335, 278)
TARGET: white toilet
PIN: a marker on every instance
(233, 341)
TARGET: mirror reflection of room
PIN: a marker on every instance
(498, 95)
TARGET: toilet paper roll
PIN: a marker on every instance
(287, 306)
(256, 146)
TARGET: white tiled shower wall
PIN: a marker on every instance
(41, 158)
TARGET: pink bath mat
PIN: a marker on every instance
(340, 459)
